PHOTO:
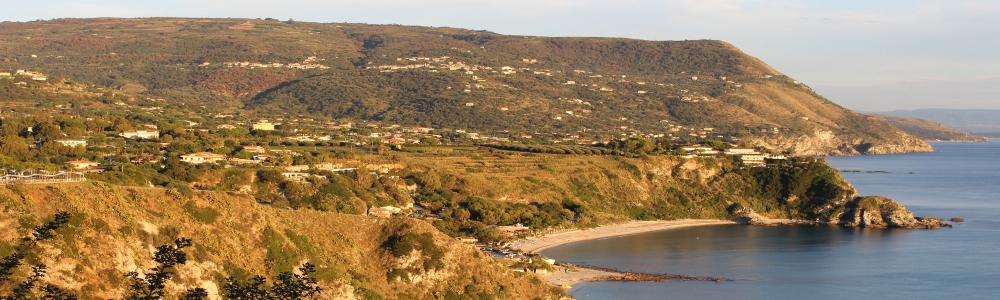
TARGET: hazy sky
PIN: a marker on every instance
(863, 54)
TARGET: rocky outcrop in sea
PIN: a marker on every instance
(882, 212)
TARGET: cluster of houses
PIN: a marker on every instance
(36, 76)
(442, 64)
(306, 65)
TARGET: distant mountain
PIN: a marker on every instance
(593, 89)
(929, 130)
(976, 121)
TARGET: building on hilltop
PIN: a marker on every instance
(740, 150)
(140, 134)
(384, 212)
(753, 159)
(73, 142)
(84, 166)
(299, 176)
(696, 148)
(264, 157)
(202, 157)
(263, 125)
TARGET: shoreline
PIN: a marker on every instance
(538, 244)
(564, 278)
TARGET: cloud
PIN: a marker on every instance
(709, 6)
(981, 7)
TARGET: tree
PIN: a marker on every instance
(14, 146)
(167, 257)
(119, 124)
(13, 261)
(48, 132)
(429, 141)
(717, 144)
(290, 286)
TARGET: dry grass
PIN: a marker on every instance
(115, 229)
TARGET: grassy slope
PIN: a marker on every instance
(114, 229)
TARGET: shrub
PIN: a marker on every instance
(206, 215)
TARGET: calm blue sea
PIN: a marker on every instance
(961, 179)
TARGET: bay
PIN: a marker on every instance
(961, 179)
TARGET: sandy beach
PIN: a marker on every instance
(536, 244)
(563, 278)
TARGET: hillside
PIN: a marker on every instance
(593, 88)
(114, 230)
(929, 130)
(246, 221)
(975, 121)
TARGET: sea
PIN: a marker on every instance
(805, 262)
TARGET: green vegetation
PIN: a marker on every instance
(205, 215)
(404, 244)
(804, 189)
(13, 261)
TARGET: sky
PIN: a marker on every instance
(866, 55)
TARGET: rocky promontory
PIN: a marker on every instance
(867, 212)
(882, 212)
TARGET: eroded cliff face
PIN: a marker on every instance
(823, 142)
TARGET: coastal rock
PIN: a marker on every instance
(957, 220)
(746, 216)
(930, 223)
(881, 212)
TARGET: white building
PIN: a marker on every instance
(299, 176)
(740, 150)
(140, 134)
(202, 157)
(752, 159)
(73, 142)
(696, 148)
(263, 125)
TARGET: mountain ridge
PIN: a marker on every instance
(929, 130)
(597, 88)
(976, 121)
